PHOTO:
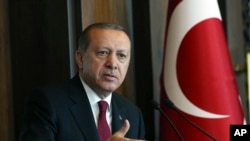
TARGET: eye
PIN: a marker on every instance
(122, 56)
(102, 53)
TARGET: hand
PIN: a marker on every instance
(119, 135)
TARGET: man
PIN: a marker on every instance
(70, 111)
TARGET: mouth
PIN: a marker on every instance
(109, 77)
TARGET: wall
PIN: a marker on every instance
(39, 48)
(6, 112)
(235, 36)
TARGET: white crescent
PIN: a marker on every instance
(196, 11)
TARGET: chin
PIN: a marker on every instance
(109, 86)
(109, 89)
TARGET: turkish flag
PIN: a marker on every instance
(197, 74)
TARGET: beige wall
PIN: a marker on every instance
(6, 122)
(114, 11)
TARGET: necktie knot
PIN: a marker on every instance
(103, 105)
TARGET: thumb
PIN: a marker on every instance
(123, 130)
(119, 135)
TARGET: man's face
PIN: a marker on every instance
(105, 63)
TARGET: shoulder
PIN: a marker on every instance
(55, 92)
(123, 103)
(49, 90)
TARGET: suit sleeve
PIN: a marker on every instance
(141, 133)
(137, 128)
(39, 119)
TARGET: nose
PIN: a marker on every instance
(112, 61)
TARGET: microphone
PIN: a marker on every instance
(158, 107)
(171, 105)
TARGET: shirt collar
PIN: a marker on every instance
(93, 97)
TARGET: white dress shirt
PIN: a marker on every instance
(94, 99)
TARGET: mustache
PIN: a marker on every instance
(111, 72)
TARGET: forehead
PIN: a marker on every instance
(102, 33)
(109, 37)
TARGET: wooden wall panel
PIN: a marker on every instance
(6, 122)
(104, 11)
(39, 49)
(113, 11)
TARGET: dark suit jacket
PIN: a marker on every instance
(62, 113)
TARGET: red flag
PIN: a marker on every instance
(197, 73)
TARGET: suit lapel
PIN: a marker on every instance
(118, 115)
(81, 110)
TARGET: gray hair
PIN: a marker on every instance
(84, 39)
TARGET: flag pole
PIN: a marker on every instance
(248, 80)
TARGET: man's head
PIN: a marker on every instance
(103, 57)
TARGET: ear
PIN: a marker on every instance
(79, 58)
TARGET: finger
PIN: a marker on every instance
(119, 135)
